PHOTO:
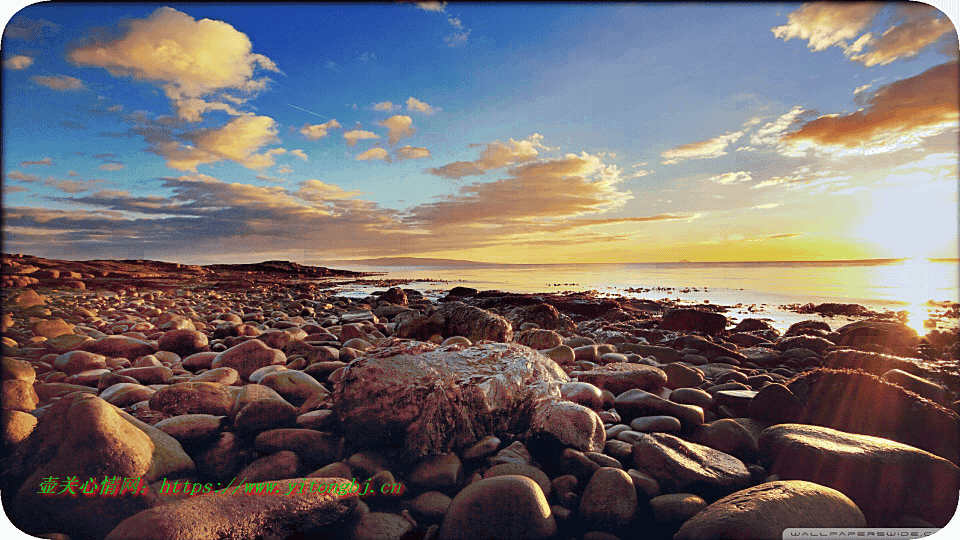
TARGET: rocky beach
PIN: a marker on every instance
(481, 414)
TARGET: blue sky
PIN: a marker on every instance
(509, 133)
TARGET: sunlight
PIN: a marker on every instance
(915, 221)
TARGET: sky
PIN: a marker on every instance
(527, 133)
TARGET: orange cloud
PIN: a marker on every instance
(414, 104)
(18, 62)
(318, 131)
(839, 24)
(44, 161)
(190, 58)
(374, 154)
(412, 152)
(399, 126)
(710, 148)
(59, 82)
(354, 135)
(896, 115)
(495, 155)
(300, 154)
(317, 191)
(238, 141)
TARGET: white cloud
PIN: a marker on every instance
(238, 141)
(738, 177)
(438, 7)
(112, 166)
(495, 155)
(300, 154)
(385, 106)
(411, 152)
(710, 148)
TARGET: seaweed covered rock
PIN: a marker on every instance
(858, 402)
(429, 399)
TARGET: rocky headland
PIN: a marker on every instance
(479, 415)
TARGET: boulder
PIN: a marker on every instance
(120, 346)
(497, 508)
(184, 342)
(473, 323)
(887, 480)
(193, 398)
(431, 399)
(634, 403)
(683, 467)
(236, 512)
(763, 512)
(859, 402)
(546, 317)
(558, 423)
(896, 336)
(609, 501)
(539, 339)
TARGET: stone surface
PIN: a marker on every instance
(765, 511)
(557, 423)
(686, 320)
(775, 402)
(682, 376)
(231, 513)
(122, 346)
(886, 479)
(858, 402)
(634, 403)
(609, 500)
(539, 338)
(498, 508)
(680, 466)
(728, 436)
(620, 377)
(248, 357)
(433, 400)
(183, 342)
(473, 323)
(898, 337)
(193, 398)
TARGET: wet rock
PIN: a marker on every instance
(809, 327)
(473, 323)
(766, 510)
(621, 377)
(680, 466)
(693, 320)
(499, 507)
(228, 513)
(415, 325)
(433, 400)
(918, 385)
(886, 479)
(760, 356)
(859, 402)
(874, 363)
(659, 424)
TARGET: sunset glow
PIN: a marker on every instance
(501, 133)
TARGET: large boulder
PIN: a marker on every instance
(248, 357)
(239, 512)
(889, 481)
(894, 335)
(83, 438)
(121, 346)
(859, 402)
(619, 377)
(432, 399)
(473, 323)
(765, 511)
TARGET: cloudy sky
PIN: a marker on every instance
(509, 133)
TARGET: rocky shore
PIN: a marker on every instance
(481, 415)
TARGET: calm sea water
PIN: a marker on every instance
(750, 289)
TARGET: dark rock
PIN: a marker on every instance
(473, 323)
(775, 402)
(693, 320)
(680, 466)
(498, 508)
(708, 349)
(897, 336)
(634, 403)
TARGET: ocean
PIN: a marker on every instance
(749, 289)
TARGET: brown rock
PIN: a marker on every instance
(682, 376)
(122, 346)
(557, 423)
(689, 320)
(474, 323)
(500, 507)
(620, 377)
(680, 466)
(184, 342)
(887, 480)
(766, 510)
(609, 501)
(248, 357)
(77, 361)
(18, 395)
(51, 328)
(539, 339)
(727, 436)
(634, 403)
(16, 426)
(193, 398)
(314, 448)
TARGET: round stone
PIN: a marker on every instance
(499, 507)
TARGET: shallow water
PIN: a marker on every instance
(888, 285)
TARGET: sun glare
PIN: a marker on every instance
(915, 221)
